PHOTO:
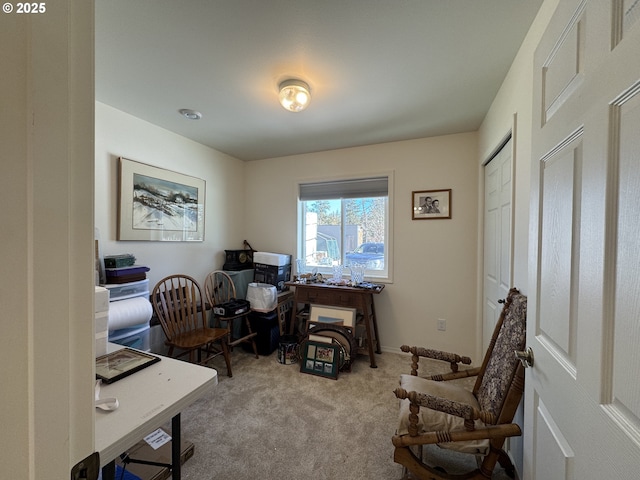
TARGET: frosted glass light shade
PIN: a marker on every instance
(295, 95)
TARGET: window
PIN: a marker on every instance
(343, 222)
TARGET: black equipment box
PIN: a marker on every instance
(273, 275)
(233, 307)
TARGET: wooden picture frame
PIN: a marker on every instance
(320, 358)
(431, 204)
(338, 335)
(122, 363)
(335, 315)
(159, 205)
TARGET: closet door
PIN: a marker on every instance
(498, 253)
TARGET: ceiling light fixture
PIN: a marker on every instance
(190, 114)
(295, 95)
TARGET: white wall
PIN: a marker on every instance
(119, 134)
(435, 261)
(513, 106)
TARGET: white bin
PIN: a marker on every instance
(263, 297)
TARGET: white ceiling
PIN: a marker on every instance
(379, 70)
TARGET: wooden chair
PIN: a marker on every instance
(177, 303)
(475, 421)
(219, 288)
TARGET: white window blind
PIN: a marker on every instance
(355, 188)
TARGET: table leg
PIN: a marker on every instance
(176, 440)
(293, 315)
(375, 325)
(370, 334)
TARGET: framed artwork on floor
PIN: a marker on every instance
(320, 358)
(336, 315)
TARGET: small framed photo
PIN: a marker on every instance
(320, 358)
(336, 315)
(122, 363)
(431, 204)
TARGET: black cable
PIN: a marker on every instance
(125, 459)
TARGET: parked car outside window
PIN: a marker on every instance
(371, 254)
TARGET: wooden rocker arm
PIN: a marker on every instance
(443, 377)
(462, 410)
(430, 438)
(417, 352)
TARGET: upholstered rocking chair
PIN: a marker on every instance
(434, 411)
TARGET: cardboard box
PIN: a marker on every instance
(273, 275)
(268, 258)
(143, 451)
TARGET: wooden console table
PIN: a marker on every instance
(342, 296)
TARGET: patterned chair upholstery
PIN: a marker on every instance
(476, 421)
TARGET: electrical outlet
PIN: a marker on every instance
(442, 324)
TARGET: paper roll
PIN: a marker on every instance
(128, 313)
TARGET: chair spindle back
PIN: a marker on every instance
(176, 303)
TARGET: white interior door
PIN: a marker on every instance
(582, 397)
(497, 237)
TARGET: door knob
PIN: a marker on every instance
(526, 357)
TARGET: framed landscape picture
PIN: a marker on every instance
(431, 204)
(159, 205)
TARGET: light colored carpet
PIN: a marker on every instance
(270, 421)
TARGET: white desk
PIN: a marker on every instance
(149, 399)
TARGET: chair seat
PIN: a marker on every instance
(198, 337)
(433, 420)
